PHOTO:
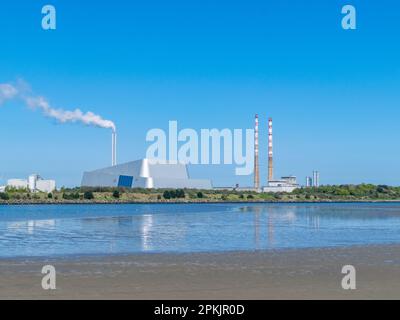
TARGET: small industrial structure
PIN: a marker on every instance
(285, 184)
(144, 174)
(314, 181)
(34, 183)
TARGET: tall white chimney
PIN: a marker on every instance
(113, 148)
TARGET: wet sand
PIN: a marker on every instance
(287, 274)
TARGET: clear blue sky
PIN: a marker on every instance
(334, 94)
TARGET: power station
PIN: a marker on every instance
(145, 173)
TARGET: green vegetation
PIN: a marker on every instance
(4, 196)
(362, 192)
(349, 192)
(88, 195)
(116, 194)
(173, 194)
(70, 196)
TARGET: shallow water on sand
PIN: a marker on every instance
(52, 230)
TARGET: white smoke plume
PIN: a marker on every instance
(88, 118)
(8, 92)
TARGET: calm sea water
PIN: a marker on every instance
(52, 230)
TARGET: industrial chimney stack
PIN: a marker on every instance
(256, 164)
(114, 149)
(270, 161)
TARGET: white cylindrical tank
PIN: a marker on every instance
(32, 182)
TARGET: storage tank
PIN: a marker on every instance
(32, 181)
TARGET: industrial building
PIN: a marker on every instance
(285, 184)
(144, 174)
(34, 183)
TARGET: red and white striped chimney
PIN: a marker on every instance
(256, 164)
(270, 154)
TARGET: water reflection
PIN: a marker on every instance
(147, 224)
(273, 216)
(30, 226)
(270, 231)
(257, 212)
(313, 221)
(46, 230)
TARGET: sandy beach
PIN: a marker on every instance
(285, 274)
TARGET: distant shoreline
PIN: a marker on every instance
(88, 202)
(363, 193)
